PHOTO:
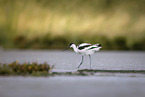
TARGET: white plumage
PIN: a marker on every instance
(85, 49)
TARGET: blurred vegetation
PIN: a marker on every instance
(33, 69)
(53, 24)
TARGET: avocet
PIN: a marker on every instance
(85, 49)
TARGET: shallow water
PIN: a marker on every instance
(69, 60)
(99, 85)
(76, 86)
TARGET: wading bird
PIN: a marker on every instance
(85, 49)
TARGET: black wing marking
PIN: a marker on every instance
(82, 47)
(92, 48)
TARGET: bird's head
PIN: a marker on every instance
(70, 45)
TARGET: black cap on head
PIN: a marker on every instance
(71, 44)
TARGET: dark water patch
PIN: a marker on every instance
(111, 71)
(68, 74)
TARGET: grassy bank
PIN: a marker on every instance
(52, 24)
(25, 69)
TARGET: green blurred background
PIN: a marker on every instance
(53, 24)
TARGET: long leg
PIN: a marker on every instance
(82, 61)
(90, 61)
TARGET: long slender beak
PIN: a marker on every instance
(66, 49)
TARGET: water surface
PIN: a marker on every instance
(69, 60)
(99, 85)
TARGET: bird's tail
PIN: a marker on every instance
(99, 45)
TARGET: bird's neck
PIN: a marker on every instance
(75, 48)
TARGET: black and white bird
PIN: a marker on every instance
(85, 49)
